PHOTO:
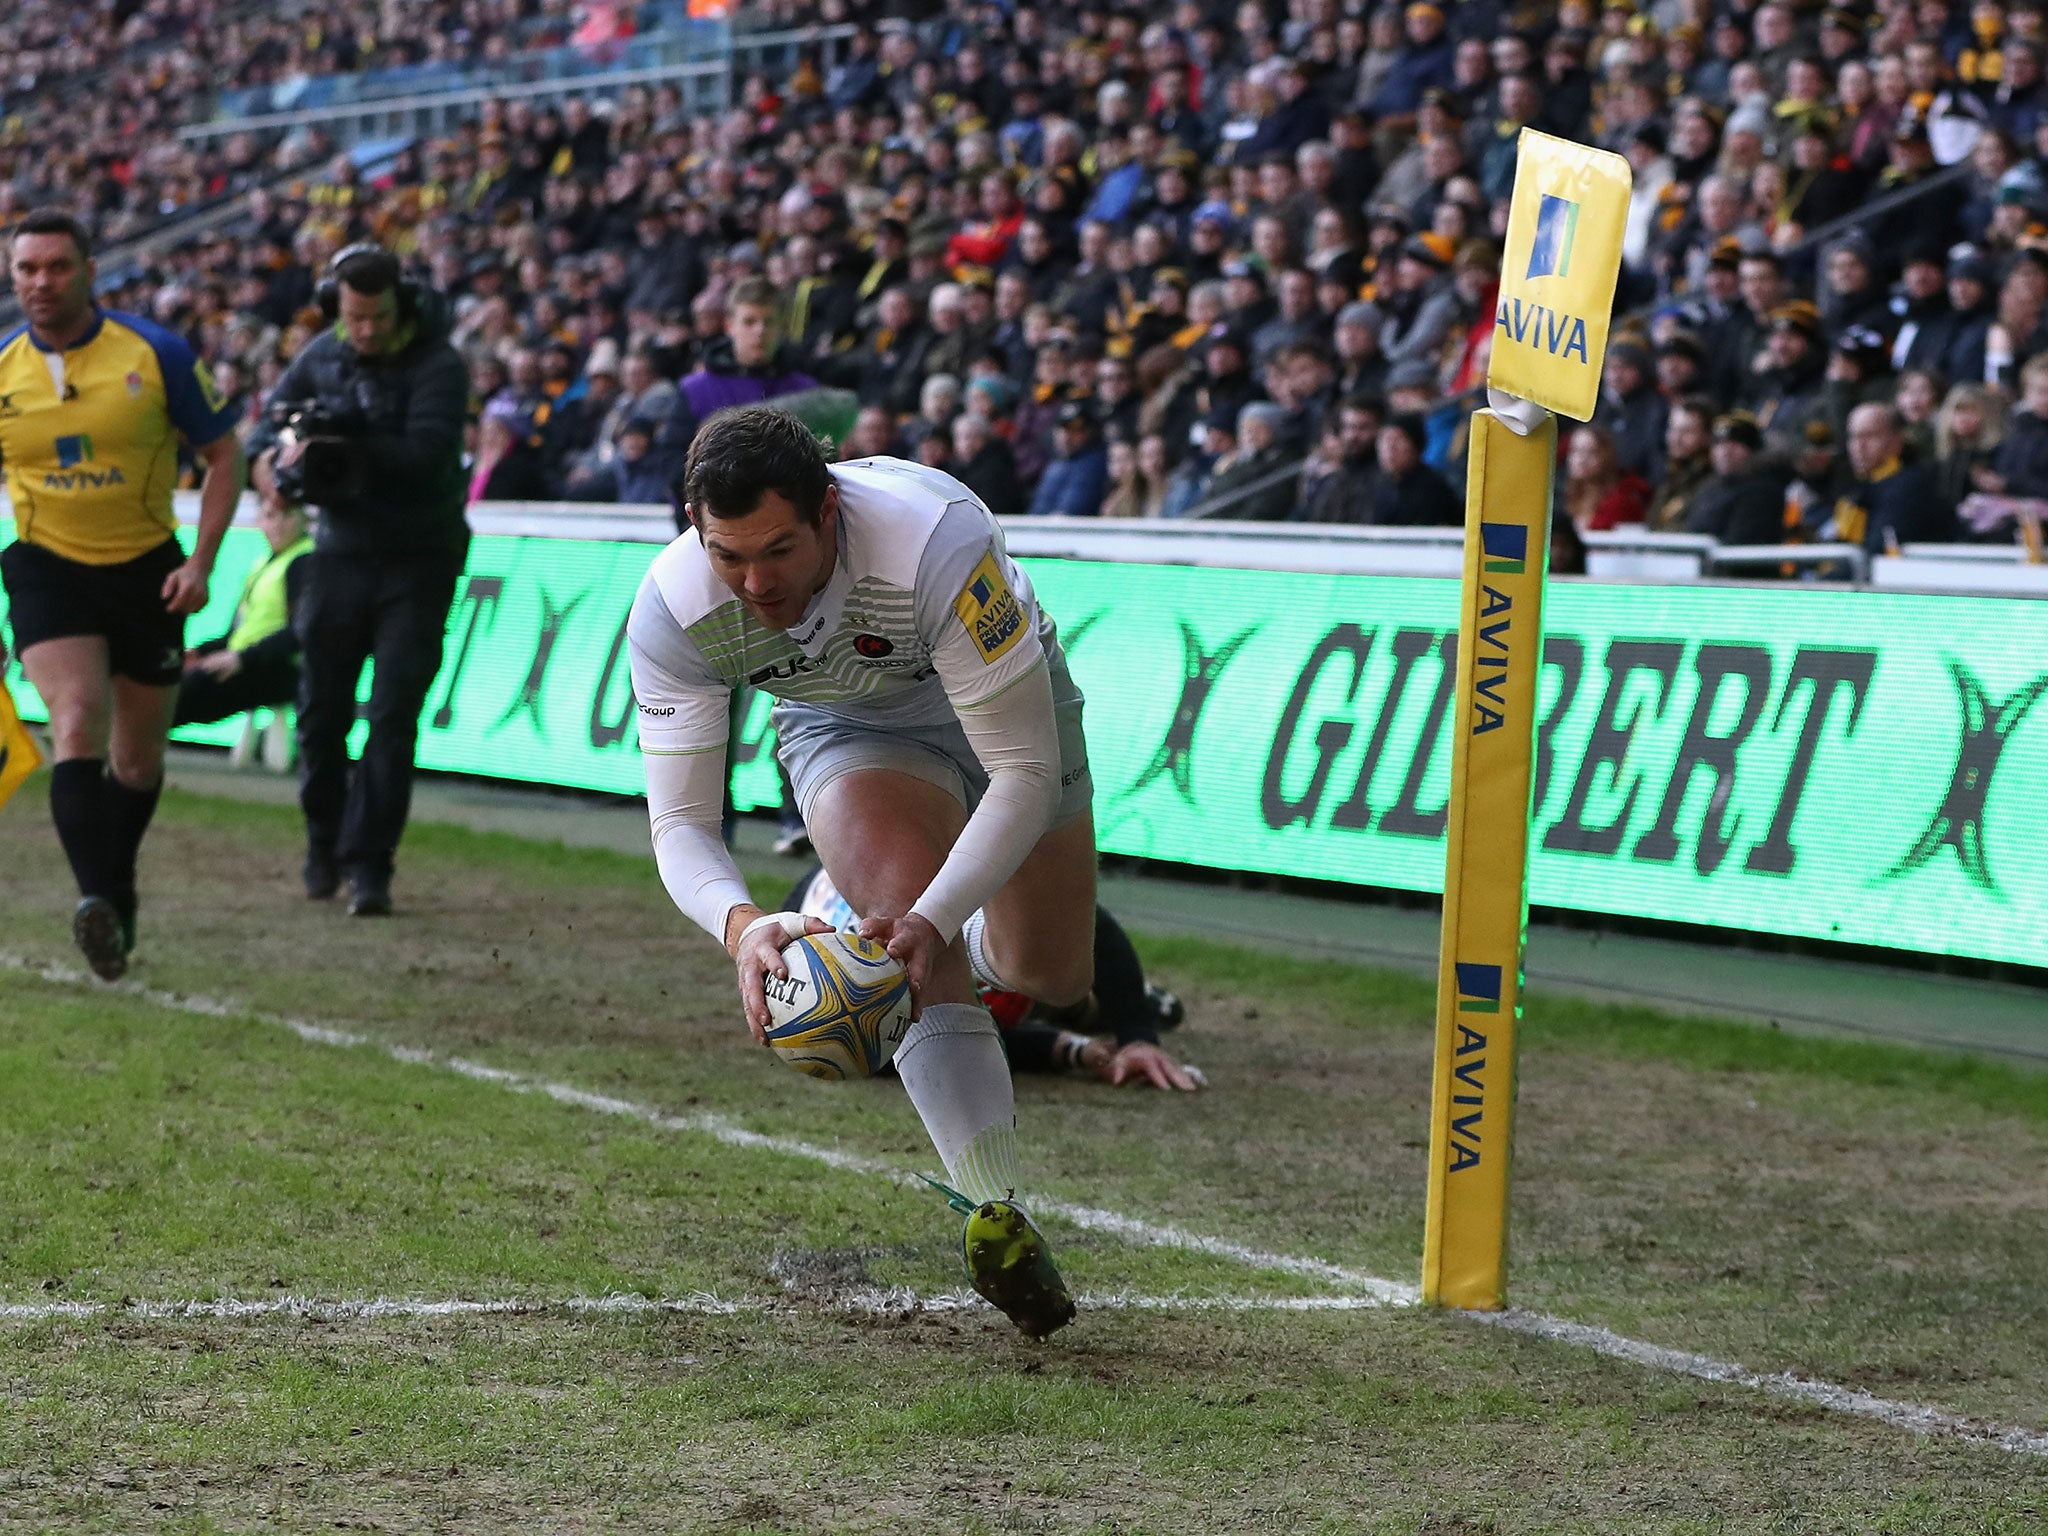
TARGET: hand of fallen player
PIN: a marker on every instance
(916, 945)
(184, 590)
(758, 953)
(1142, 1063)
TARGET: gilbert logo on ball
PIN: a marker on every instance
(842, 1010)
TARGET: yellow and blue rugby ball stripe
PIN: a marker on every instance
(842, 1010)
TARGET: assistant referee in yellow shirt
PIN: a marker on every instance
(92, 403)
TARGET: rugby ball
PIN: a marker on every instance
(842, 1010)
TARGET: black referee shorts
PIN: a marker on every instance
(50, 597)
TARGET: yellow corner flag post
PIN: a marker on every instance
(18, 754)
(1558, 270)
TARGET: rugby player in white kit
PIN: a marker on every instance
(933, 737)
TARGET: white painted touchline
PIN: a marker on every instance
(719, 1127)
(1377, 1291)
(874, 1300)
(1821, 1394)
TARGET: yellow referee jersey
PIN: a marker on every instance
(89, 435)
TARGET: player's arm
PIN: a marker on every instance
(682, 708)
(982, 629)
(196, 408)
(185, 588)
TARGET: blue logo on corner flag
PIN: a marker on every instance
(1557, 223)
(1505, 546)
(1478, 988)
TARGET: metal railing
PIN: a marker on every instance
(1222, 506)
(706, 85)
(689, 42)
(1733, 559)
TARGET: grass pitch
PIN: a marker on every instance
(1865, 1215)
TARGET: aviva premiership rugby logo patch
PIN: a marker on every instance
(990, 610)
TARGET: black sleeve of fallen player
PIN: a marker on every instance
(1030, 1043)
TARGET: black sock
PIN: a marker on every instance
(127, 813)
(1120, 982)
(77, 806)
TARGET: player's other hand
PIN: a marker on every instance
(757, 955)
(184, 590)
(1143, 1064)
(914, 943)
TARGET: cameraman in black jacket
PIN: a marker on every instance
(366, 425)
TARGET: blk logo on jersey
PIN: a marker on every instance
(73, 450)
(873, 647)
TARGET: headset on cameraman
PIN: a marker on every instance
(373, 264)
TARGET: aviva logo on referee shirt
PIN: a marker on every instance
(73, 451)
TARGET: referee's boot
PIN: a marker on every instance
(322, 874)
(97, 930)
(369, 895)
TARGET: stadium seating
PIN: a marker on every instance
(1212, 264)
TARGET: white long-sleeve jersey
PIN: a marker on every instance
(925, 618)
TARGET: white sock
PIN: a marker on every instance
(953, 1067)
(971, 934)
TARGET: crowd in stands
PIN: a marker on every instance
(1158, 261)
(91, 98)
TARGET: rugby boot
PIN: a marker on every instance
(96, 930)
(1009, 1265)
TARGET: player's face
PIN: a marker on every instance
(771, 559)
(52, 280)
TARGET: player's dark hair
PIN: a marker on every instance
(741, 454)
(54, 221)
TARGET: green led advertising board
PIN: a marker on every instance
(1857, 766)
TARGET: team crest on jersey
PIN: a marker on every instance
(134, 382)
(990, 610)
(873, 647)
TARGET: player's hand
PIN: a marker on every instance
(1143, 1064)
(289, 453)
(220, 664)
(914, 943)
(184, 590)
(759, 954)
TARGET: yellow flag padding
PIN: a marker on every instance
(1558, 272)
(18, 754)
(1479, 982)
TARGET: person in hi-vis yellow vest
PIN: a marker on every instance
(256, 663)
